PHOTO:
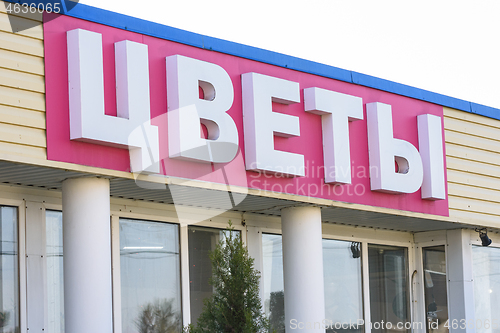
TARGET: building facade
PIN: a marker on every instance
(127, 146)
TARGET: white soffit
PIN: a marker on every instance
(51, 178)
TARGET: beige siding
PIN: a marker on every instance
(30, 30)
(473, 162)
(37, 16)
(22, 88)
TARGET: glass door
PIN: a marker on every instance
(436, 294)
(389, 296)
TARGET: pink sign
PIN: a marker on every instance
(309, 143)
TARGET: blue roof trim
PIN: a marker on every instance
(484, 110)
(275, 58)
(409, 91)
(141, 26)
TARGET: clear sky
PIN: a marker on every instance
(450, 47)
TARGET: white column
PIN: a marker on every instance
(87, 255)
(460, 280)
(303, 269)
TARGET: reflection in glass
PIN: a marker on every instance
(343, 285)
(201, 241)
(9, 286)
(486, 265)
(150, 277)
(274, 302)
(436, 295)
(389, 302)
(55, 282)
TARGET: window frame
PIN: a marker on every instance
(476, 242)
(206, 226)
(115, 266)
(121, 208)
(21, 261)
(423, 240)
(364, 236)
(420, 249)
(261, 282)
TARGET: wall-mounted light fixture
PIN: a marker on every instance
(483, 234)
(356, 249)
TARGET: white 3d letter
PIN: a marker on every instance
(261, 124)
(132, 127)
(336, 111)
(186, 110)
(430, 144)
(384, 149)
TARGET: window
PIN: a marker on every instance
(201, 241)
(55, 280)
(436, 295)
(150, 276)
(389, 298)
(342, 269)
(486, 267)
(274, 301)
(343, 285)
(9, 277)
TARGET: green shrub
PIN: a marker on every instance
(235, 305)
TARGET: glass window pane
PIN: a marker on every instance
(389, 298)
(343, 282)
(274, 302)
(486, 265)
(436, 295)
(55, 282)
(343, 285)
(150, 276)
(9, 285)
(201, 241)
